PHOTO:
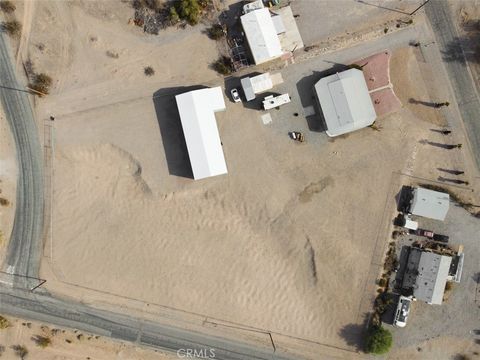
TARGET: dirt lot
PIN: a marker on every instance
(68, 344)
(284, 242)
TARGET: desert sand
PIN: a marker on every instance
(284, 242)
(69, 344)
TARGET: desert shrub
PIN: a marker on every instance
(7, 6)
(42, 341)
(20, 350)
(112, 54)
(41, 83)
(4, 323)
(149, 71)
(382, 282)
(4, 202)
(188, 10)
(13, 27)
(215, 32)
(378, 341)
(173, 15)
(223, 65)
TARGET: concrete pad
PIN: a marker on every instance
(291, 39)
(266, 118)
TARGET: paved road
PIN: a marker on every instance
(446, 35)
(44, 308)
(24, 249)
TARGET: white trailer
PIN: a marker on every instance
(271, 101)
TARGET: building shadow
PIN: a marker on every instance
(170, 125)
(308, 99)
(403, 198)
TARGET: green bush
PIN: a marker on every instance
(378, 341)
(173, 15)
(4, 323)
(7, 6)
(188, 10)
(13, 28)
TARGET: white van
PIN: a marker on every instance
(403, 309)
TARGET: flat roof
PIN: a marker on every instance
(429, 203)
(261, 35)
(345, 102)
(432, 277)
(197, 112)
(255, 85)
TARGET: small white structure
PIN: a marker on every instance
(271, 101)
(255, 85)
(430, 204)
(261, 35)
(254, 5)
(197, 112)
(345, 102)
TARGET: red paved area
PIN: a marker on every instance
(385, 101)
(376, 70)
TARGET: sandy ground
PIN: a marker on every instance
(69, 344)
(233, 247)
(283, 242)
(8, 182)
(439, 348)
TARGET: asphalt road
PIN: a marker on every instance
(24, 248)
(42, 307)
(446, 35)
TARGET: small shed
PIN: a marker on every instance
(429, 203)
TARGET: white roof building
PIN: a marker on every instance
(345, 102)
(430, 204)
(432, 277)
(426, 275)
(197, 112)
(261, 35)
(255, 85)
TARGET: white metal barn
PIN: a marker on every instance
(430, 204)
(261, 35)
(197, 112)
(345, 102)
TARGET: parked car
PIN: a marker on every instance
(403, 309)
(235, 95)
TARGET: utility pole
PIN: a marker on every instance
(418, 8)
